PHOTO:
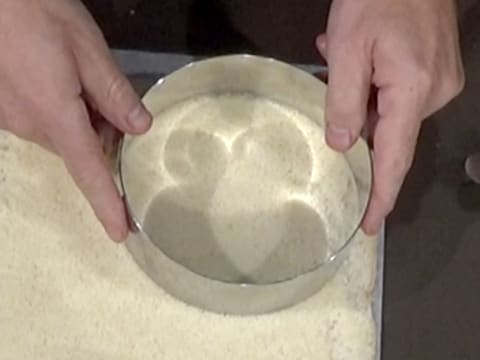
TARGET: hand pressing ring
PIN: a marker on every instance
(54, 63)
(409, 51)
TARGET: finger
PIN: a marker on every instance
(321, 43)
(108, 89)
(394, 146)
(78, 145)
(108, 136)
(349, 81)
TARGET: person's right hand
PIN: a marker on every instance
(55, 63)
(409, 52)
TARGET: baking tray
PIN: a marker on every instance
(145, 68)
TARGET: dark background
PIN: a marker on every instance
(432, 279)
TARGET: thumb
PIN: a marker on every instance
(347, 94)
(106, 88)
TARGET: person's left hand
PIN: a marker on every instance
(409, 51)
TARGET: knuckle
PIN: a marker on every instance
(417, 72)
(118, 87)
(444, 85)
(423, 79)
(455, 83)
(449, 87)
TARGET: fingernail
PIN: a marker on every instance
(338, 138)
(139, 119)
